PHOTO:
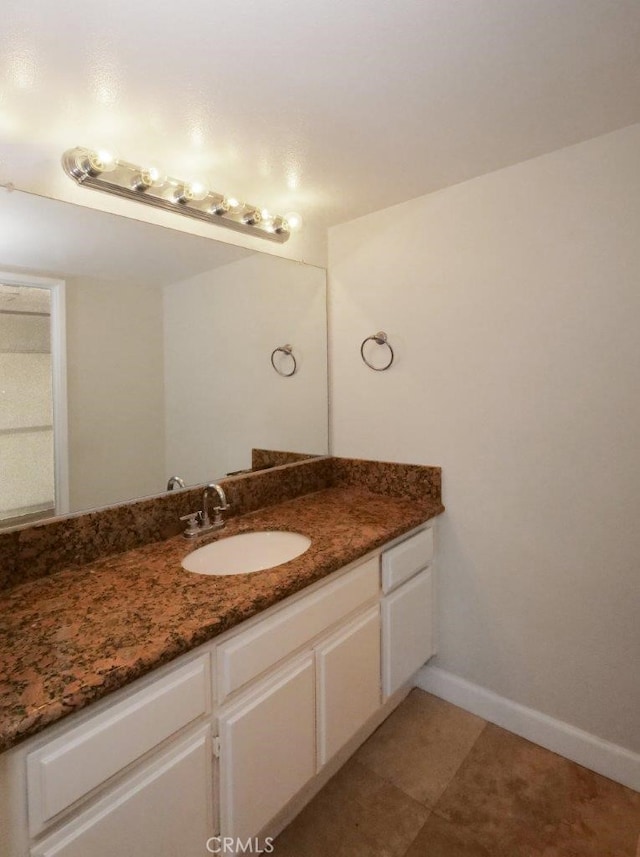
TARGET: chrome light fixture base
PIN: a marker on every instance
(131, 181)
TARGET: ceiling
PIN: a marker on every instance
(332, 109)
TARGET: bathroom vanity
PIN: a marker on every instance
(232, 737)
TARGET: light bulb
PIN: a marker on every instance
(233, 202)
(252, 217)
(190, 191)
(198, 190)
(294, 221)
(147, 178)
(265, 214)
(182, 194)
(279, 225)
(219, 206)
(154, 175)
(96, 163)
(107, 160)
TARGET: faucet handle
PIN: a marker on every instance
(193, 525)
(218, 520)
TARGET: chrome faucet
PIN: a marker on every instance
(218, 522)
(200, 522)
(175, 482)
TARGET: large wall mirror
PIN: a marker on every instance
(131, 353)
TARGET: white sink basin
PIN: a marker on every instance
(246, 552)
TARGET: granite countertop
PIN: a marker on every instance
(72, 638)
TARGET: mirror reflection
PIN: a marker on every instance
(132, 353)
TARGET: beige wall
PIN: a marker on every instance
(223, 396)
(115, 391)
(513, 301)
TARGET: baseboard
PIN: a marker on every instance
(605, 758)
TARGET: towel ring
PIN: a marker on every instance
(380, 338)
(288, 350)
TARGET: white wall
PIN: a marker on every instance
(222, 393)
(513, 302)
(115, 391)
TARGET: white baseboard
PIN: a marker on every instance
(605, 758)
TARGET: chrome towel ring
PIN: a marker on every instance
(288, 350)
(380, 338)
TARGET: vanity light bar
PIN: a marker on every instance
(97, 170)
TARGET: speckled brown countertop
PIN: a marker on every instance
(71, 638)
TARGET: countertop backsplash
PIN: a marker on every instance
(31, 551)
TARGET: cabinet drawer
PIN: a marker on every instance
(404, 560)
(69, 767)
(249, 654)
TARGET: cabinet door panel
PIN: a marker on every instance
(164, 811)
(407, 631)
(348, 682)
(267, 749)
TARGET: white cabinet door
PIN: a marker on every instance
(267, 749)
(407, 631)
(163, 811)
(348, 682)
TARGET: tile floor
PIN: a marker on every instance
(435, 781)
